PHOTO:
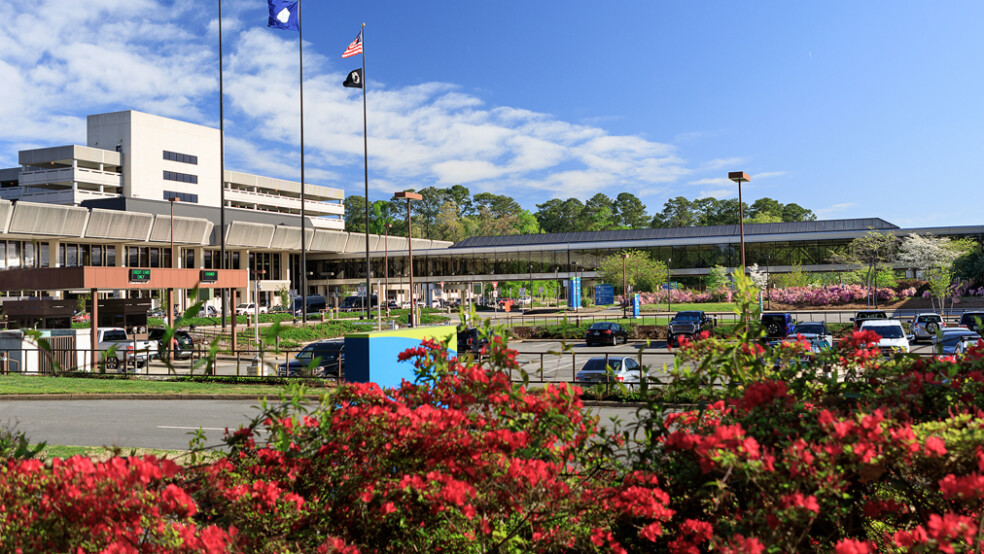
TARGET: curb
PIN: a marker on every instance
(70, 396)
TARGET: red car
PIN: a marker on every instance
(80, 318)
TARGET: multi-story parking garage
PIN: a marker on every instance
(145, 186)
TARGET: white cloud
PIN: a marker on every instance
(160, 57)
(835, 208)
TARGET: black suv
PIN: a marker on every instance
(470, 340)
(688, 324)
(973, 321)
(328, 356)
(778, 326)
(183, 345)
(861, 316)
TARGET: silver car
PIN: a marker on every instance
(925, 326)
(623, 370)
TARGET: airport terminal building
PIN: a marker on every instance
(143, 183)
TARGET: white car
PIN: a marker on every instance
(249, 308)
(893, 337)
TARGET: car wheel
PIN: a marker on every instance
(112, 363)
(669, 340)
(774, 329)
(932, 328)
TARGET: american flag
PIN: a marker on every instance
(354, 48)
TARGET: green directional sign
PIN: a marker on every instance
(139, 275)
(208, 276)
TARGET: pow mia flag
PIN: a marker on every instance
(354, 79)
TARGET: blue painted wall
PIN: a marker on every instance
(372, 357)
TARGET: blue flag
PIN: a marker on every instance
(283, 15)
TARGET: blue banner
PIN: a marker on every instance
(574, 292)
(635, 305)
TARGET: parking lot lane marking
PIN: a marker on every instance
(191, 428)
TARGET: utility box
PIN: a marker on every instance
(373, 357)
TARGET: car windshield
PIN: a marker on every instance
(243, 306)
(815, 328)
(886, 331)
(872, 315)
(687, 316)
(599, 326)
(598, 364)
(953, 340)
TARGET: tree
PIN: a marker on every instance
(559, 216)
(461, 197)
(629, 211)
(642, 273)
(717, 278)
(677, 212)
(448, 225)
(425, 210)
(769, 209)
(355, 214)
(598, 214)
(922, 252)
(795, 212)
(869, 251)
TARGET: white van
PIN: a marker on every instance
(249, 308)
(892, 334)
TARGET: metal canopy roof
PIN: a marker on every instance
(680, 232)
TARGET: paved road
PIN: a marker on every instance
(163, 424)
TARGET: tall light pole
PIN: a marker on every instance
(669, 299)
(740, 177)
(170, 291)
(530, 293)
(410, 196)
(386, 274)
(625, 292)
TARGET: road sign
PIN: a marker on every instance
(495, 285)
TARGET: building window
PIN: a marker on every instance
(182, 196)
(183, 158)
(180, 177)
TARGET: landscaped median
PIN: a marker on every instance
(93, 385)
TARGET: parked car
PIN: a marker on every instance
(954, 341)
(864, 315)
(624, 369)
(356, 303)
(159, 313)
(328, 360)
(606, 332)
(687, 324)
(813, 331)
(125, 350)
(315, 304)
(208, 311)
(471, 340)
(249, 308)
(82, 317)
(778, 325)
(184, 344)
(925, 326)
(973, 321)
(893, 337)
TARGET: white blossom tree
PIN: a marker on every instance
(934, 257)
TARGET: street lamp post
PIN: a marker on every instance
(170, 291)
(530, 292)
(740, 177)
(408, 195)
(625, 292)
(669, 299)
(386, 267)
(171, 201)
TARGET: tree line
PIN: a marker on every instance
(454, 214)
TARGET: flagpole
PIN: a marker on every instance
(222, 249)
(300, 49)
(365, 163)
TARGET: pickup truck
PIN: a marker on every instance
(688, 324)
(124, 348)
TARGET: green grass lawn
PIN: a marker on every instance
(100, 453)
(35, 384)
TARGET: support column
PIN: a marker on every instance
(94, 328)
(169, 310)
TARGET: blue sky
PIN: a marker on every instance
(851, 109)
